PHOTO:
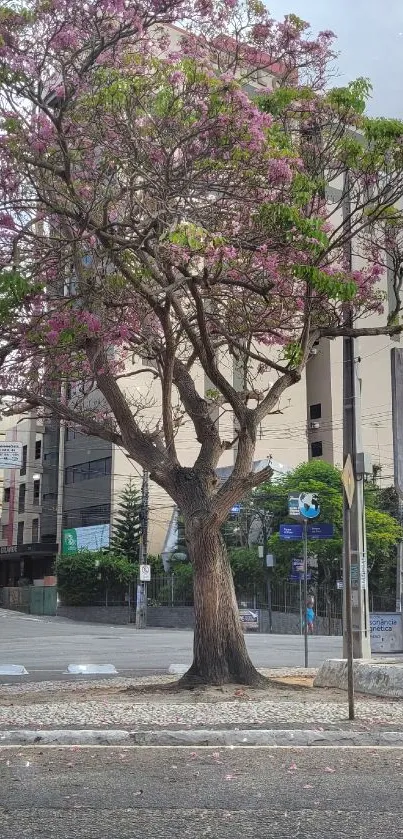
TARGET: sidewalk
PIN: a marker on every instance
(144, 704)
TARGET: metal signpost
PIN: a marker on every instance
(349, 489)
(306, 506)
(309, 509)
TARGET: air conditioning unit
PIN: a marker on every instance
(314, 425)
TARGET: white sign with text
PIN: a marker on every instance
(386, 632)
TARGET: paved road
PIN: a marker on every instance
(170, 793)
(45, 646)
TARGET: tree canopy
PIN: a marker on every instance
(179, 184)
(383, 530)
(152, 208)
(126, 530)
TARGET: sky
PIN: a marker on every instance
(370, 43)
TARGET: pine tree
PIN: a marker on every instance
(126, 531)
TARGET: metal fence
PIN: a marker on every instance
(177, 590)
(172, 590)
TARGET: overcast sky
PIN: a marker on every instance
(370, 42)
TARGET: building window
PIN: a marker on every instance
(317, 449)
(37, 492)
(4, 531)
(38, 449)
(6, 495)
(21, 498)
(315, 411)
(89, 470)
(50, 458)
(98, 514)
(23, 470)
(72, 434)
(35, 530)
(49, 496)
(20, 533)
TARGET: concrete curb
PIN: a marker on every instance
(373, 678)
(201, 737)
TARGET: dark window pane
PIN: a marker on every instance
(6, 495)
(38, 449)
(35, 530)
(20, 533)
(37, 491)
(21, 498)
(315, 411)
(4, 531)
(23, 470)
(317, 449)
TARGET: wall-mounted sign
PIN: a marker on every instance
(10, 455)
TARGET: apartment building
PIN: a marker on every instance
(24, 552)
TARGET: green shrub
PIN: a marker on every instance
(90, 577)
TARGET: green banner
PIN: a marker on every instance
(69, 541)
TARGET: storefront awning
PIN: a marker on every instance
(30, 549)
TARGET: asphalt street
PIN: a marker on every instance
(46, 646)
(137, 793)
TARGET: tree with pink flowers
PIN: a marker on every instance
(180, 184)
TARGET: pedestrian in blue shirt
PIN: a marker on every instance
(310, 617)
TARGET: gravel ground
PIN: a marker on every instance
(108, 703)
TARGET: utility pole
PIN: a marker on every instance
(354, 535)
(141, 605)
(397, 425)
(355, 527)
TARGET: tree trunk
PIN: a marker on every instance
(219, 650)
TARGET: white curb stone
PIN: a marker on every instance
(178, 669)
(13, 670)
(90, 669)
(373, 678)
(200, 737)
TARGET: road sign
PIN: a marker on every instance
(320, 531)
(288, 532)
(347, 477)
(10, 455)
(145, 573)
(339, 585)
(293, 505)
(291, 531)
(308, 503)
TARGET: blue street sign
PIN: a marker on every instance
(236, 509)
(320, 531)
(288, 532)
(291, 531)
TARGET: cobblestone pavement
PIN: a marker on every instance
(107, 703)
